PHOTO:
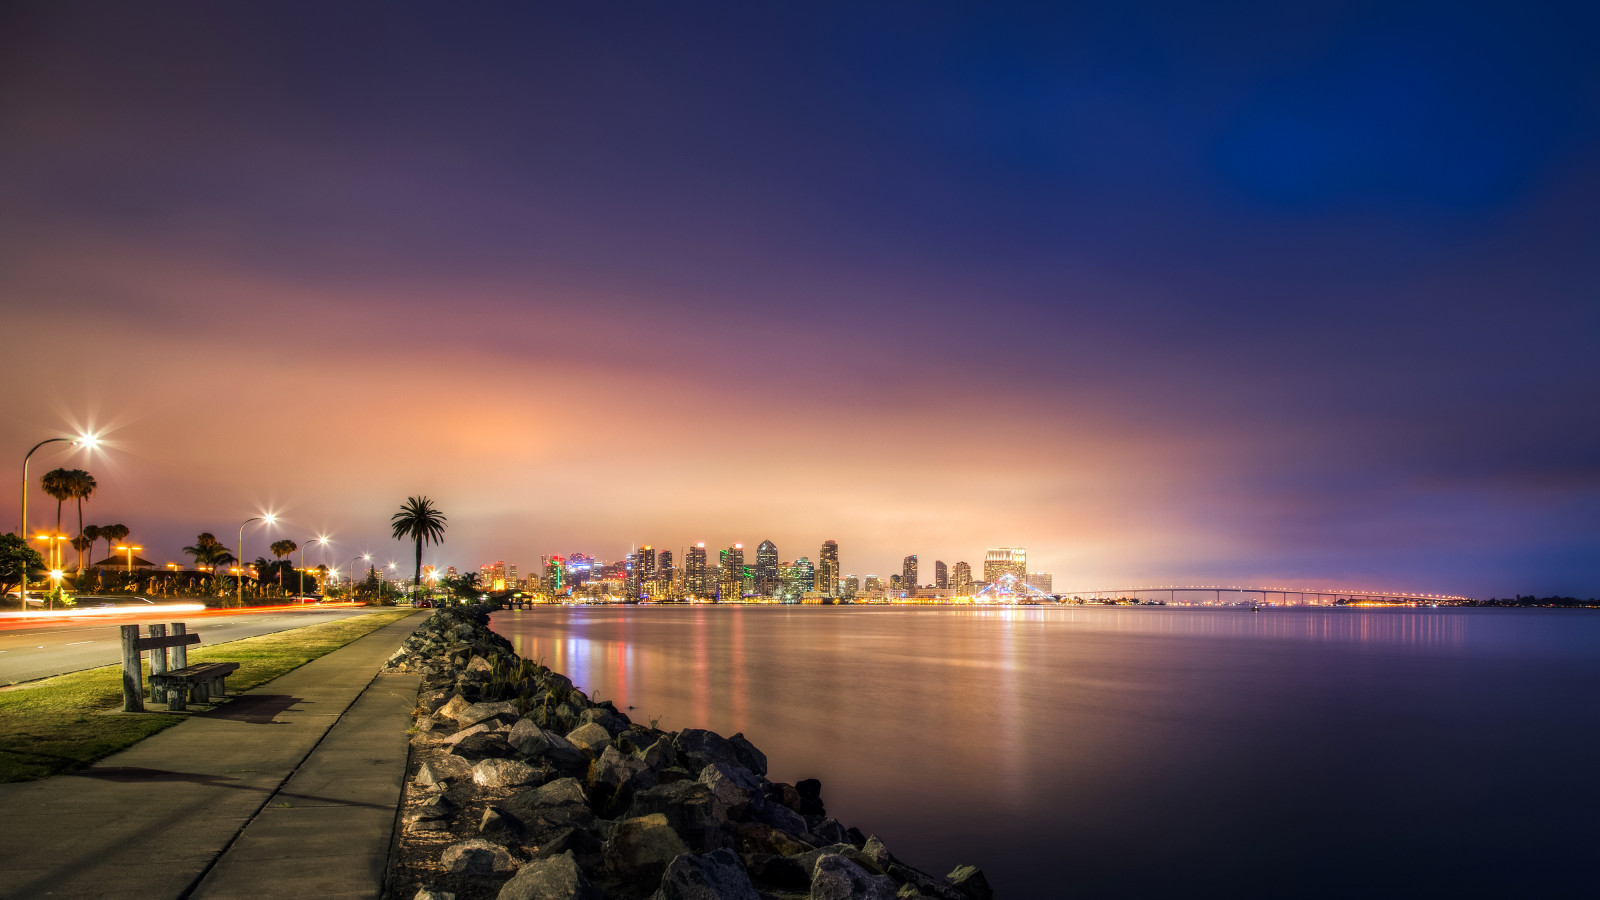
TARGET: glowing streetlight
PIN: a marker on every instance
(267, 518)
(317, 540)
(87, 441)
(129, 551)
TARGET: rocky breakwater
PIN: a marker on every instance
(523, 788)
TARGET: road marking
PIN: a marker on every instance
(75, 643)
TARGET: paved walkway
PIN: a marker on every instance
(289, 789)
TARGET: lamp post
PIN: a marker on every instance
(87, 440)
(129, 551)
(269, 518)
(320, 540)
(365, 556)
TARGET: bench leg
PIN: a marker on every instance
(175, 698)
(222, 687)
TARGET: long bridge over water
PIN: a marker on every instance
(1286, 596)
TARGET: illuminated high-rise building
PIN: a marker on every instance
(766, 569)
(908, 573)
(645, 561)
(873, 583)
(732, 587)
(802, 578)
(1040, 580)
(852, 587)
(961, 577)
(894, 583)
(941, 574)
(1003, 561)
(694, 571)
(828, 568)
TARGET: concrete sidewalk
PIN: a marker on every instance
(291, 787)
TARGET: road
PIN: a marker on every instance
(40, 649)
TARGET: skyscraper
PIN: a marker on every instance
(1040, 580)
(908, 573)
(1005, 561)
(873, 583)
(961, 577)
(766, 569)
(828, 568)
(941, 574)
(732, 587)
(694, 571)
(802, 578)
(852, 586)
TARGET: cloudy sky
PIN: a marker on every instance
(1238, 292)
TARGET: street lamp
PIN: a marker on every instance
(269, 518)
(318, 540)
(129, 551)
(364, 556)
(88, 441)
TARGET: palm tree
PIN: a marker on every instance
(83, 486)
(418, 519)
(58, 484)
(112, 534)
(208, 551)
(280, 549)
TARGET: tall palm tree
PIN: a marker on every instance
(58, 484)
(83, 487)
(112, 534)
(280, 549)
(417, 519)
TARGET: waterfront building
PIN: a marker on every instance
(555, 571)
(765, 570)
(873, 583)
(828, 568)
(449, 571)
(851, 587)
(894, 583)
(908, 573)
(1005, 561)
(961, 578)
(645, 561)
(1039, 580)
(733, 572)
(694, 571)
(941, 574)
(802, 578)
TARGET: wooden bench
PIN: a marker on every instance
(200, 683)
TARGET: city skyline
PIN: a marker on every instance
(1166, 295)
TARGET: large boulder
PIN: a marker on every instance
(463, 734)
(528, 739)
(550, 878)
(500, 774)
(476, 857)
(717, 875)
(496, 822)
(503, 711)
(810, 791)
(617, 775)
(551, 808)
(660, 754)
(612, 721)
(750, 756)
(640, 848)
(757, 837)
(590, 738)
(561, 792)
(837, 878)
(698, 748)
(485, 745)
(784, 819)
(737, 788)
(969, 880)
(691, 809)
(452, 708)
(778, 873)
(828, 830)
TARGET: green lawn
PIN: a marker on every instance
(58, 724)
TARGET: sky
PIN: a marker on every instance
(1239, 293)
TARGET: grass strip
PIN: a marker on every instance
(55, 725)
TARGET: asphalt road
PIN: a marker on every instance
(38, 650)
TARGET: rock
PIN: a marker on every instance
(717, 875)
(784, 819)
(659, 755)
(878, 853)
(737, 788)
(578, 841)
(631, 741)
(621, 774)
(483, 712)
(640, 848)
(590, 738)
(856, 837)
(425, 894)
(550, 878)
(476, 857)
(810, 791)
(969, 880)
(485, 745)
(691, 809)
(453, 708)
(749, 755)
(782, 793)
(532, 741)
(810, 857)
(778, 872)
(496, 822)
(432, 701)
(561, 792)
(922, 884)
(609, 719)
(479, 664)
(837, 878)
(698, 748)
(499, 774)
(465, 733)
(828, 831)
(757, 837)
(429, 775)
(438, 807)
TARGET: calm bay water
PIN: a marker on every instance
(1122, 752)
